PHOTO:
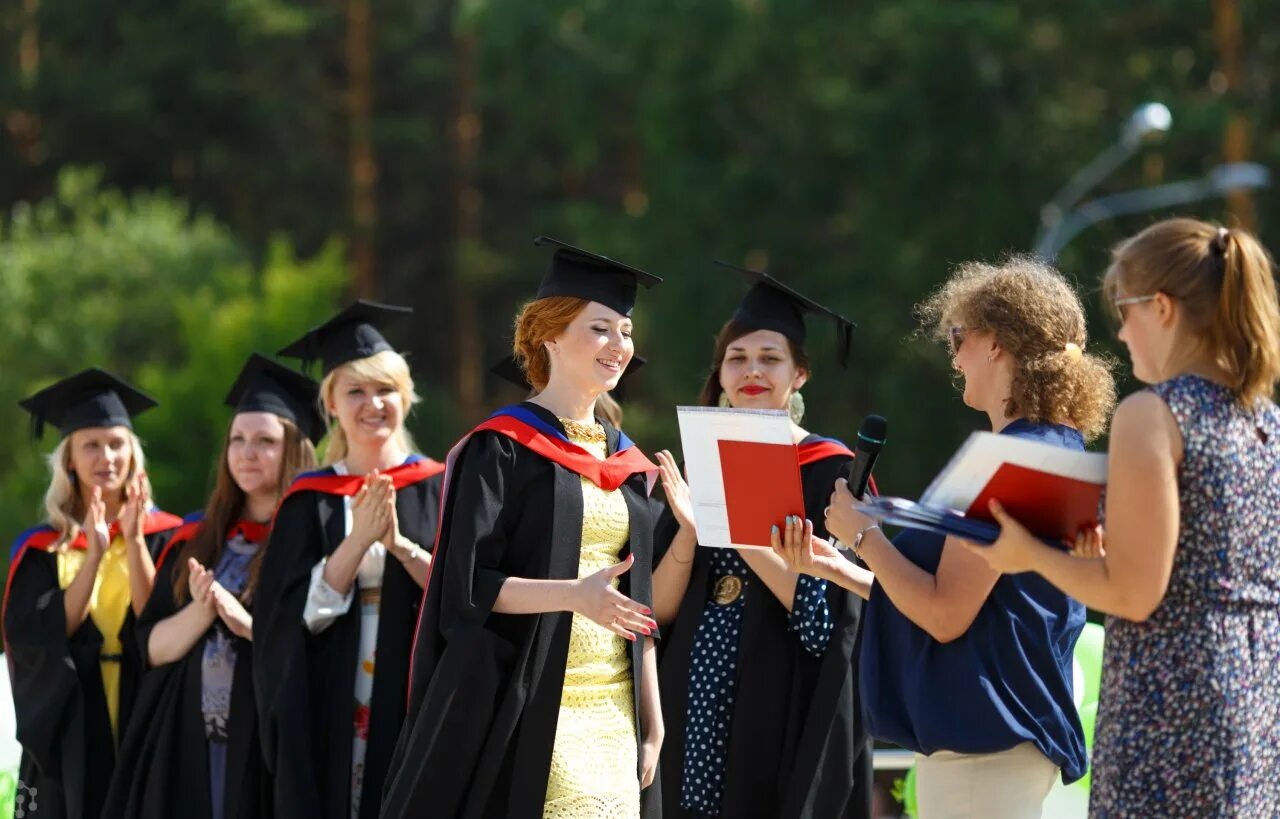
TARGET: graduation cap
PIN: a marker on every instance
(92, 398)
(265, 386)
(772, 305)
(508, 369)
(352, 334)
(586, 275)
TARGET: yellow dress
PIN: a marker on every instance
(108, 606)
(593, 762)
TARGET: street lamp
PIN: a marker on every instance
(1219, 181)
(1149, 120)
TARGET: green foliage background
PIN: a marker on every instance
(178, 184)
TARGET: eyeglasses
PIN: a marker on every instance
(1120, 304)
(955, 337)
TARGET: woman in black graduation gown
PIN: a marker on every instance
(75, 586)
(342, 580)
(192, 747)
(534, 689)
(758, 679)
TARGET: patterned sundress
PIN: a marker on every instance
(1189, 716)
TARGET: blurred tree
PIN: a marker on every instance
(139, 285)
(859, 150)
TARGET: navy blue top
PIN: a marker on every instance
(1005, 681)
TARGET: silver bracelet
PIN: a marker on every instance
(856, 548)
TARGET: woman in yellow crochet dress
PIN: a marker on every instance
(534, 686)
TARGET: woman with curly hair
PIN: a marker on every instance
(969, 668)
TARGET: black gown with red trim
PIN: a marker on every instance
(163, 770)
(305, 683)
(64, 726)
(486, 687)
(798, 745)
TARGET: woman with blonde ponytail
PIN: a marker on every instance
(340, 586)
(1189, 715)
(76, 586)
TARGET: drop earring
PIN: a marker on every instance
(795, 408)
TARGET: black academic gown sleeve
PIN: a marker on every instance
(163, 766)
(486, 686)
(305, 683)
(64, 726)
(796, 736)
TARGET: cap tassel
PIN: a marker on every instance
(844, 341)
(37, 427)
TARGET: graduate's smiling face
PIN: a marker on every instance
(593, 350)
(255, 452)
(101, 456)
(369, 412)
(760, 372)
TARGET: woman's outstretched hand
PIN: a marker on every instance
(596, 599)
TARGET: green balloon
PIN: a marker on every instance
(8, 790)
(1089, 655)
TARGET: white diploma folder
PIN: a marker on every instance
(743, 471)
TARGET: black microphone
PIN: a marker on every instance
(871, 436)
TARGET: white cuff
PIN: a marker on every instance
(324, 605)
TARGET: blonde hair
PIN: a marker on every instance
(1037, 318)
(387, 367)
(1224, 280)
(63, 505)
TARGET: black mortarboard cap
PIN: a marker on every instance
(92, 398)
(265, 386)
(586, 275)
(354, 333)
(772, 305)
(508, 369)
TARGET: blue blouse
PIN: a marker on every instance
(1005, 681)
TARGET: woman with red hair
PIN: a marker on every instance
(534, 688)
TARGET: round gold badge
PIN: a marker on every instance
(728, 589)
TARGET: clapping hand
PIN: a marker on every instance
(676, 489)
(96, 532)
(200, 583)
(371, 510)
(134, 513)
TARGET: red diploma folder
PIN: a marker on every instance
(761, 487)
(1051, 490)
(1053, 507)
